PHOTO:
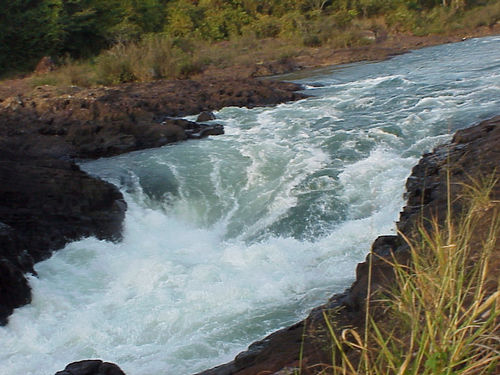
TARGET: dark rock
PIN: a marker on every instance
(44, 204)
(205, 130)
(473, 153)
(91, 367)
(100, 122)
(14, 289)
(49, 202)
(205, 116)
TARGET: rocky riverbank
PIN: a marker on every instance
(473, 153)
(47, 201)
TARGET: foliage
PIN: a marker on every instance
(82, 29)
(153, 57)
(28, 30)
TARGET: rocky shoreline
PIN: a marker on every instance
(473, 153)
(46, 201)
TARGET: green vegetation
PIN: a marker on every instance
(104, 32)
(443, 316)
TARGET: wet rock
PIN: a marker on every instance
(205, 130)
(205, 116)
(14, 289)
(45, 203)
(91, 367)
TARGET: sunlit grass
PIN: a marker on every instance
(442, 317)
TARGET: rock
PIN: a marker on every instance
(473, 153)
(91, 367)
(50, 202)
(14, 289)
(205, 116)
(91, 123)
(45, 203)
(205, 130)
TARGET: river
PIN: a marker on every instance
(232, 237)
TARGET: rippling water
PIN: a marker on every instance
(233, 237)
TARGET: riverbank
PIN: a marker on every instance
(46, 201)
(261, 64)
(440, 177)
(445, 175)
(64, 141)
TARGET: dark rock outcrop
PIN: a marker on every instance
(91, 367)
(205, 116)
(44, 203)
(109, 121)
(473, 153)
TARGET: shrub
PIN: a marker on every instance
(266, 27)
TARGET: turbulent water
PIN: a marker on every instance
(230, 238)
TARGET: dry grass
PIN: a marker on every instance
(443, 316)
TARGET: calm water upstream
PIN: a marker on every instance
(233, 237)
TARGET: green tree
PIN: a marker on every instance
(29, 29)
(88, 25)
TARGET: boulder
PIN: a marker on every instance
(91, 367)
(205, 116)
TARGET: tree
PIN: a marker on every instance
(29, 29)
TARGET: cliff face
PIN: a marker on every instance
(473, 153)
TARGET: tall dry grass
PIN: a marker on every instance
(443, 315)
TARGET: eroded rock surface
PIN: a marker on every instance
(91, 123)
(44, 203)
